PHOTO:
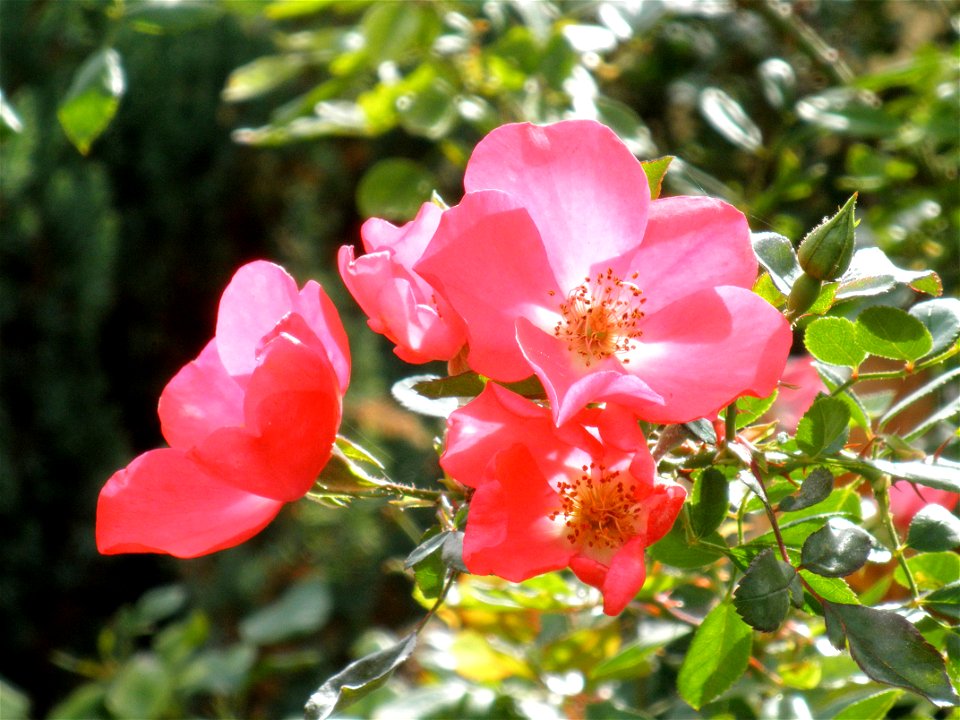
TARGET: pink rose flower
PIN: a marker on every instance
(584, 495)
(799, 386)
(250, 423)
(399, 303)
(560, 265)
(907, 499)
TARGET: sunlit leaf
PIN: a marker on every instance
(717, 657)
(837, 549)
(674, 550)
(359, 678)
(834, 340)
(823, 428)
(93, 98)
(729, 119)
(655, 170)
(874, 707)
(941, 316)
(776, 254)
(872, 273)
(892, 333)
(261, 76)
(931, 571)
(943, 475)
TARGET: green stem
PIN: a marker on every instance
(387, 489)
(901, 373)
(730, 423)
(451, 577)
(882, 492)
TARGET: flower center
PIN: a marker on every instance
(601, 317)
(597, 509)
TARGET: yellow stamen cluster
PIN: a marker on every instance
(597, 509)
(601, 317)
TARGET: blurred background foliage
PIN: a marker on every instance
(149, 147)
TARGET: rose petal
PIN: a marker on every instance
(201, 398)
(587, 194)
(292, 409)
(625, 577)
(705, 350)
(258, 296)
(406, 243)
(508, 532)
(163, 502)
(569, 385)
(691, 244)
(487, 260)
(317, 309)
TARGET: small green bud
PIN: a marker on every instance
(826, 251)
(803, 294)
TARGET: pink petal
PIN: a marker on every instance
(255, 300)
(163, 502)
(199, 399)
(406, 243)
(662, 501)
(488, 261)
(691, 244)
(625, 577)
(496, 419)
(569, 385)
(423, 333)
(906, 500)
(364, 277)
(508, 532)
(705, 350)
(292, 408)
(587, 194)
(320, 314)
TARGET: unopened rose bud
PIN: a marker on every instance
(803, 295)
(826, 251)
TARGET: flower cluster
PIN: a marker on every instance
(556, 264)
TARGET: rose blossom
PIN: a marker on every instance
(250, 423)
(584, 495)
(799, 386)
(560, 265)
(399, 303)
(907, 499)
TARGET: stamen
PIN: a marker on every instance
(601, 317)
(597, 510)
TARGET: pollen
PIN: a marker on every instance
(597, 510)
(601, 317)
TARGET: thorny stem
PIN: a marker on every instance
(451, 577)
(772, 517)
(901, 373)
(882, 492)
(730, 423)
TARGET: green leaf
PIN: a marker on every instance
(717, 657)
(396, 30)
(394, 189)
(934, 529)
(262, 75)
(159, 17)
(930, 387)
(302, 609)
(729, 119)
(359, 678)
(890, 650)
(892, 333)
(141, 689)
(626, 123)
(823, 428)
(833, 340)
(832, 589)
(816, 488)
(777, 256)
(674, 550)
(872, 273)
(945, 601)
(837, 549)
(941, 317)
(630, 658)
(93, 98)
(708, 502)
(874, 707)
(469, 384)
(931, 571)
(750, 409)
(763, 594)
(943, 475)
(431, 112)
(655, 170)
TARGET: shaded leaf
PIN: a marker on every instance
(93, 98)
(872, 273)
(933, 529)
(815, 488)
(837, 549)
(359, 678)
(763, 594)
(892, 333)
(823, 428)
(674, 550)
(394, 189)
(717, 657)
(834, 340)
(302, 609)
(629, 659)
(777, 256)
(941, 316)
(889, 649)
(708, 502)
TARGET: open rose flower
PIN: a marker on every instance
(584, 495)
(399, 303)
(250, 423)
(560, 265)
